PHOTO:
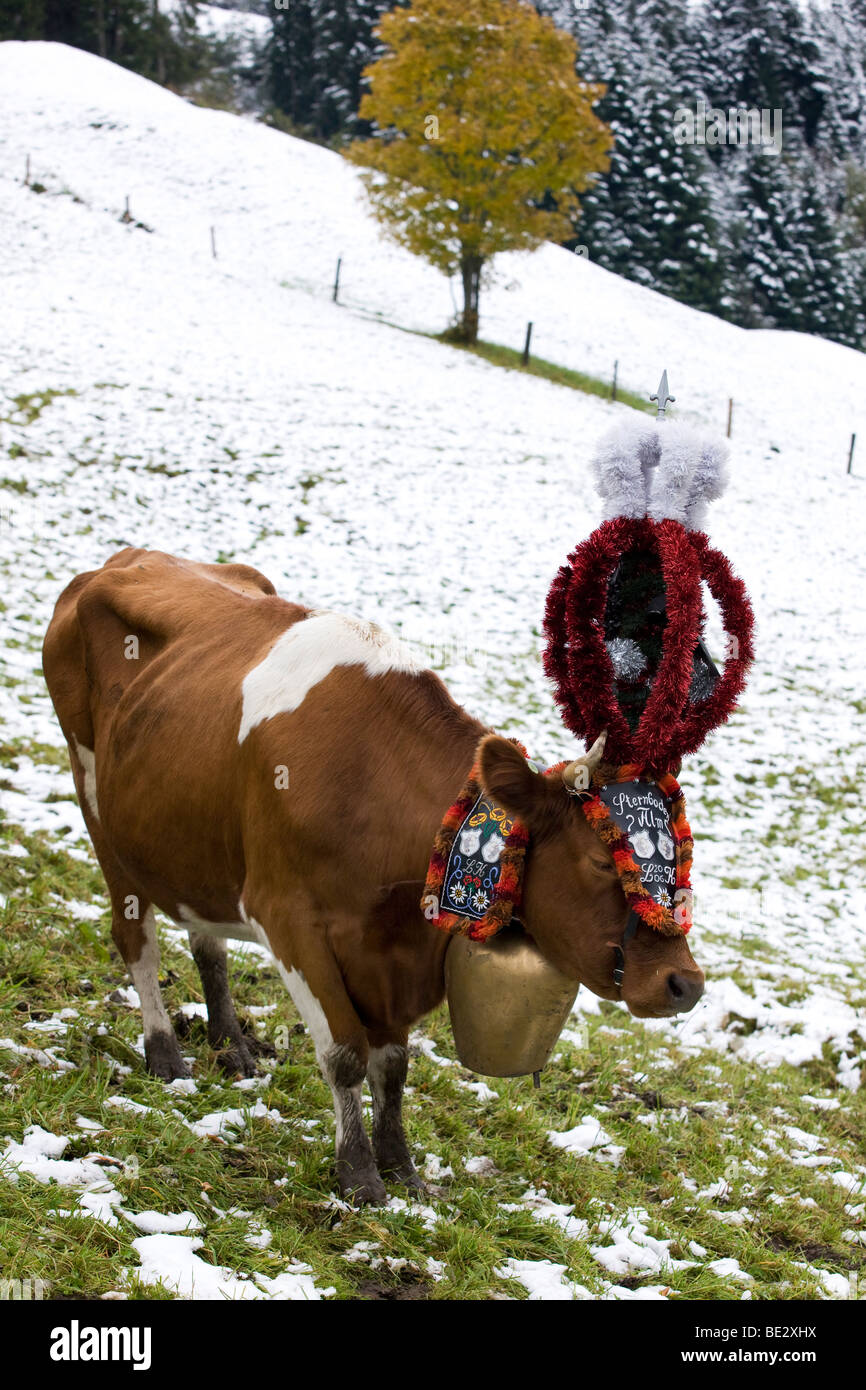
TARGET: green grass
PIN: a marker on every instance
(551, 371)
(28, 406)
(51, 959)
(512, 360)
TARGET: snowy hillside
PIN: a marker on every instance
(227, 408)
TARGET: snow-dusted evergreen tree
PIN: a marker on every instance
(153, 37)
(650, 217)
(763, 261)
(827, 278)
(343, 46)
(766, 58)
(290, 61)
(841, 34)
(317, 54)
(755, 237)
(790, 267)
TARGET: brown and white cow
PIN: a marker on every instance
(260, 770)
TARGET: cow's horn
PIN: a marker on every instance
(576, 775)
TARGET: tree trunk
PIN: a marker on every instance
(470, 272)
(157, 37)
(102, 47)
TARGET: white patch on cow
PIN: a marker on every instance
(303, 997)
(145, 977)
(347, 1101)
(88, 762)
(378, 1068)
(309, 651)
(235, 931)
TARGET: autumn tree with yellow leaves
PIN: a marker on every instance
(483, 135)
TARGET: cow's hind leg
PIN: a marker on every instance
(386, 1073)
(133, 927)
(234, 1048)
(136, 940)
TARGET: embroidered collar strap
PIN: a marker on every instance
(475, 879)
(474, 882)
(670, 920)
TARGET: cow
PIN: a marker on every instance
(260, 770)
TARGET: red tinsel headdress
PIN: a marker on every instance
(624, 615)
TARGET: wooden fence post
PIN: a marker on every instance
(525, 358)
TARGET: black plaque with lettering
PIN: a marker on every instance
(642, 811)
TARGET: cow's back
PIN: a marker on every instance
(82, 621)
(144, 661)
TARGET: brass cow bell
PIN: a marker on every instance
(508, 1004)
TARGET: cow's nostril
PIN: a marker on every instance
(684, 991)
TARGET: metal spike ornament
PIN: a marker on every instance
(662, 396)
(624, 617)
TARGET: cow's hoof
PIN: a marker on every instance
(364, 1189)
(368, 1194)
(162, 1057)
(406, 1175)
(415, 1183)
(259, 1047)
(237, 1058)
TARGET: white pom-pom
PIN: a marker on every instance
(668, 470)
(709, 480)
(622, 464)
(671, 484)
(691, 473)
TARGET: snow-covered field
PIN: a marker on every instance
(227, 408)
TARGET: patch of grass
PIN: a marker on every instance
(512, 360)
(164, 469)
(685, 1123)
(551, 371)
(28, 406)
(713, 1162)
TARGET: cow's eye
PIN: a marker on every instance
(603, 866)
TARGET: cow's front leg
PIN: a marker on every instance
(343, 1067)
(313, 979)
(386, 1072)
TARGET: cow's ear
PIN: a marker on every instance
(508, 779)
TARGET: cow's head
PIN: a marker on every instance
(573, 905)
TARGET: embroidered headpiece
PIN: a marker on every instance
(475, 878)
(644, 826)
(474, 882)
